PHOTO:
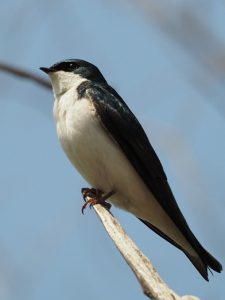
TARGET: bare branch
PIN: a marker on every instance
(24, 74)
(153, 286)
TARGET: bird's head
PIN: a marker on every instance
(69, 73)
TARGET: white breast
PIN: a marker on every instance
(84, 141)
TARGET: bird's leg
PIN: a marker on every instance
(96, 197)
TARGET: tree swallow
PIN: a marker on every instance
(108, 146)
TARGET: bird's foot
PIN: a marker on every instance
(91, 192)
(96, 197)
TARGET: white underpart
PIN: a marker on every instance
(99, 159)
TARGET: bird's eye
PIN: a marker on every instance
(73, 66)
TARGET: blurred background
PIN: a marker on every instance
(166, 58)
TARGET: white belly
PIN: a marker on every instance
(90, 149)
(101, 162)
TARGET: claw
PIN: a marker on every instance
(83, 192)
(90, 202)
(92, 193)
(96, 197)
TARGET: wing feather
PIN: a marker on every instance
(123, 126)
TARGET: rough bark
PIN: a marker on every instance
(152, 285)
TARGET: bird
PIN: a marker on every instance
(108, 146)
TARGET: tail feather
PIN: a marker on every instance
(210, 261)
(205, 262)
(202, 262)
(199, 265)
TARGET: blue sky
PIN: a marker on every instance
(48, 249)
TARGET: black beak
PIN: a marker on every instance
(46, 70)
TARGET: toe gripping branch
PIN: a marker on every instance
(95, 197)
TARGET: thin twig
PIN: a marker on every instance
(24, 74)
(153, 286)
